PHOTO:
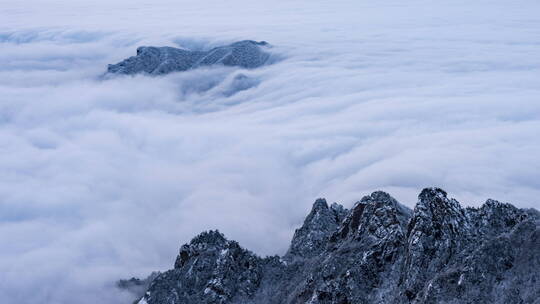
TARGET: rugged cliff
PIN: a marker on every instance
(378, 252)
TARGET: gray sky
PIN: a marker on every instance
(105, 179)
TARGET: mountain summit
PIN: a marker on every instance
(163, 60)
(378, 252)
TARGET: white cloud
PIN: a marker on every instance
(105, 178)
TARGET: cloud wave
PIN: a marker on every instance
(102, 179)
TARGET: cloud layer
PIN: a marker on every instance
(105, 178)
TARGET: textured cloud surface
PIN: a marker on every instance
(105, 178)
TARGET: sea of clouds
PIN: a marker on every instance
(104, 178)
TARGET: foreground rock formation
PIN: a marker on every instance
(378, 252)
(162, 60)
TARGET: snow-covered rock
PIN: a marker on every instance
(378, 252)
(163, 60)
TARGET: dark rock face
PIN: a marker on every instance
(378, 252)
(437, 231)
(210, 269)
(310, 239)
(163, 60)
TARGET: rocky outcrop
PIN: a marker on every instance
(437, 231)
(210, 269)
(378, 252)
(311, 239)
(163, 60)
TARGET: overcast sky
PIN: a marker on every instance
(103, 179)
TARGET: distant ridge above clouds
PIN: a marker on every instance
(163, 60)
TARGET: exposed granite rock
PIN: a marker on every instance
(437, 231)
(358, 263)
(210, 269)
(311, 239)
(163, 60)
(378, 252)
(504, 269)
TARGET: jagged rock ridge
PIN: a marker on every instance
(163, 60)
(378, 252)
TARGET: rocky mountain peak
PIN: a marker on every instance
(377, 214)
(434, 202)
(319, 205)
(432, 192)
(494, 217)
(311, 239)
(209, 269)
(210, 237)
(207, 242)
(436, 214)
(438, 228)
(163, 60)
(378, 252)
